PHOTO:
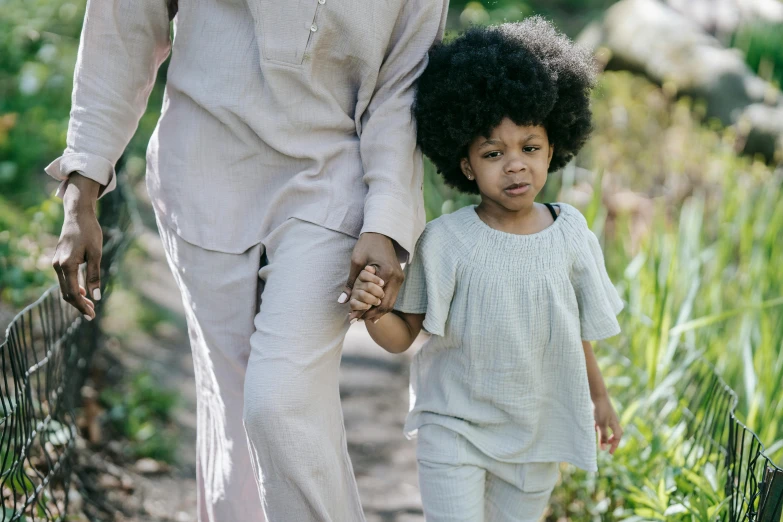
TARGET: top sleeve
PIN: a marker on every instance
(123, 43)
(596, 296)
(392, 162)
(429, 282)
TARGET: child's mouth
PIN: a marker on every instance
(517, 189)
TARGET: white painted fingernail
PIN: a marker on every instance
(382, 283)
(375, 321)
(343, 298)
(96, 294)
(87, 317)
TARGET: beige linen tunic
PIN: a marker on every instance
(505, 367)
(273, 109)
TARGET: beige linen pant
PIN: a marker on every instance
(266, 333)
(459, 483)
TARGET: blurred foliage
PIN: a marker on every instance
(140, 411)
(38, 44)
(39, 40)
(26, 247)
(571, 16)
(762, 44)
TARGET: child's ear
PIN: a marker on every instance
(464, 164)
(551, 152)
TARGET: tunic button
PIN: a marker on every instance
(313, 28)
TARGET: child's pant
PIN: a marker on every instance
(460, 483)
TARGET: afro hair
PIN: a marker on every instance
(526, 71)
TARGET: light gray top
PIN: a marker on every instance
(273, 109)
(504, 366)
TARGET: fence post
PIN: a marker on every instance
(771, 502)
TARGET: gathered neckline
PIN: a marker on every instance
(519, 237)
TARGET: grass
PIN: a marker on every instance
(702, 280)
(141, 412)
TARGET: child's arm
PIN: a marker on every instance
(605, 416)
(395, 331)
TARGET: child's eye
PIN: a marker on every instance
(531, 149)
(493, 154)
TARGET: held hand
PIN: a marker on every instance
(80, 241)
(606, 419)
(376, 250)
(367, 292)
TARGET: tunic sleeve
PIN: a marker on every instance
(123, 43)
(429, 281)
(597, 297)
(391, 160)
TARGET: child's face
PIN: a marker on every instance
(511, 165)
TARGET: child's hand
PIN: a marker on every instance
(367, 292)
(606, 419)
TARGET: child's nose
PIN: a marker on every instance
(516, 163)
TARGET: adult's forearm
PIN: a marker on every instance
(82, 192)
(123, 43)
(391, 160)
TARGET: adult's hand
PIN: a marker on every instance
(376, 250)
(81, 241)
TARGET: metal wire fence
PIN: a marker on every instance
(49, 346)
(45, 358)
(754, 483)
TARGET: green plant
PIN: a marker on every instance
(26, 246)
(141, 412)
(569, 15)
(702, 279)
(38, 45)
(762, 44)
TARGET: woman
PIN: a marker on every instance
(285, 135)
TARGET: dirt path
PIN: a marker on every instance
(373, 387)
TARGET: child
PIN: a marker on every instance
(512, 291)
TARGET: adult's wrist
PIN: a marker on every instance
(81, 192)
(401, 253)
(376, 234)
